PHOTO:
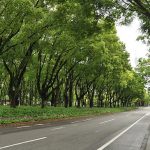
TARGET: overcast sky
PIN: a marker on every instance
(128, 35)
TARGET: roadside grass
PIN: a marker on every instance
(34, 113)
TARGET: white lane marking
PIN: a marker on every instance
(39, 124)
(23, 127)
(75, 121)
(87, 119)
(106, 121)
(120, 134)
(4, 147)
(82, 120)
(147, 114)
(57, 128)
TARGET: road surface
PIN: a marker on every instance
(121, 131)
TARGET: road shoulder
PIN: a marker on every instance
(148, 142)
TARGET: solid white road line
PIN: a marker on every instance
(106, 121)
(120, 134)
(23, 143)
(23, 127)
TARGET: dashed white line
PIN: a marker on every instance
(57, 128)
(87, 119)
(116, 137)
(147, 114)
(4, 147)
(23, 127)
(75, 121)
(82, 120)
(106, 121)
(39, 124)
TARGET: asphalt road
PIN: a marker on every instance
(121, 131)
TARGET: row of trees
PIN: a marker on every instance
(66, 53)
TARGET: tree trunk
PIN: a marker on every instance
(71, 89)
(44, 98)
(53, 99)
(13, 93)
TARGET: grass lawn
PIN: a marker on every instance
(34, 113)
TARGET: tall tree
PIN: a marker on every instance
(141, 9)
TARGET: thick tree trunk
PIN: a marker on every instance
(66, 99)
(67, 86)
(43, 103)
(31, 94)
(78, 103)
(100, 99)
(70, 96)
(35, 95)
(57, 97)
(91, 103)
(71, 90)
(13, 96)
(53, 99)
(43, 99)
(13, 93)
(17, 76)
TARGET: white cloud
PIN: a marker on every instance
(128, 35)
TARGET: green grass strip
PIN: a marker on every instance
(33, 113)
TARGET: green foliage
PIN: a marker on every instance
(25, 114)
(140, 8)
(66, 53)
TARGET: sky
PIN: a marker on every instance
(128, 35)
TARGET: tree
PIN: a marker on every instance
(22, 37)
(64, 52)
(129, 7)
(24, 23)
(143, 69)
